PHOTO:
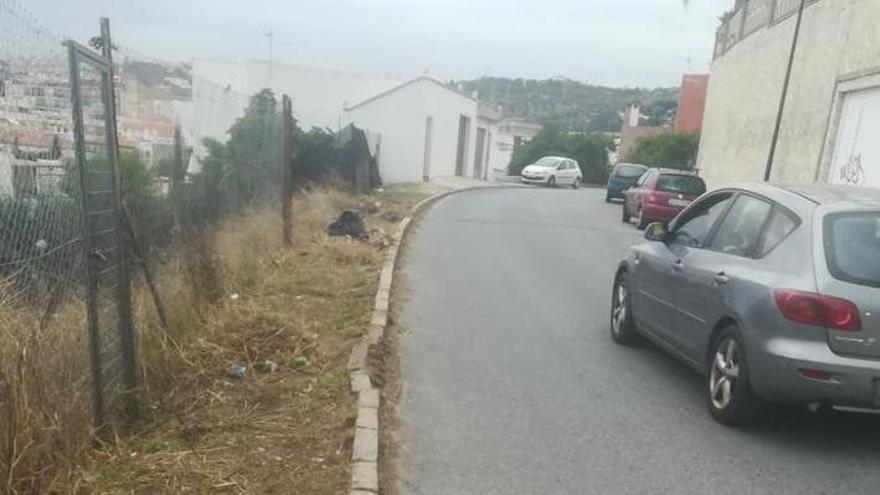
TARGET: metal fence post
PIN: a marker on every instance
(742, 21)
(287, 131)
(91, 286)
(123, 289)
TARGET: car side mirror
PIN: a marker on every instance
(657, 231)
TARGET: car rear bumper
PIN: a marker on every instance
(776, 374)
(659, 213)
(615, 192)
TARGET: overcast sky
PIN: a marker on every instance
(613, 42)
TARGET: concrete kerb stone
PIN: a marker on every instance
(360, 381)
(365, 451)
(367, 417)
(364, 476)
(379, 318)
(376, 333)
(366, 445)
(368, 398)
(358, 358)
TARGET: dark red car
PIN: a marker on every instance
(660, 194)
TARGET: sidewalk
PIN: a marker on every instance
(457, 182)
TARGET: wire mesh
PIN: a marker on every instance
(757, 15)
(40, 226)
(187, 156)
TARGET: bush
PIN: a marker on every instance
(669, 149)
(589, 150)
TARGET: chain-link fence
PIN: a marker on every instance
(91, 214)
(750, 16)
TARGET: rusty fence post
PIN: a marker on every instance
(288, 126)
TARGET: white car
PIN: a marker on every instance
(553, 171)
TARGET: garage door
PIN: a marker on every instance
(856, 159)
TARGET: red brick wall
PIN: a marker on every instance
(691, 103)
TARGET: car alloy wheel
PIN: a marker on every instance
(724, 373)
(729, 393)
(618, 309)
(623, 328)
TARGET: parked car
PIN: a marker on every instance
(623, 176)
(773, 293)
(660, 194)
(553, 171)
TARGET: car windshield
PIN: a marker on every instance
(629, 171)
(682, 184)
(852, 247)
(547, 162)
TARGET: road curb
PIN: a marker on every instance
(365, 462)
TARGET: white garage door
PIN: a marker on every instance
(856, 158)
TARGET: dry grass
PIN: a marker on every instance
(284, 431)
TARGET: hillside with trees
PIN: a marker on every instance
(570, 105)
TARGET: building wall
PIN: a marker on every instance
(319, 95)
(400, 116)
(505, 136)
(221, 91)
(839, 43)
(691, 103)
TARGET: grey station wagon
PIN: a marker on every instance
(772, 292)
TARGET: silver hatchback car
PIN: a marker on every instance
(772, 292)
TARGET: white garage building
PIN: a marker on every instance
(426, 129)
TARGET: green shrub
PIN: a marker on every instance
(669, 149)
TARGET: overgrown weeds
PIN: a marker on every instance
(234, 295)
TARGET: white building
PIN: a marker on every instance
(426, 129)
(508, 134)
(221, 91)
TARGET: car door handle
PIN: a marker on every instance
(721, 278)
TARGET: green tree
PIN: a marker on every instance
(589, 150)
(214, 178)
(254, 148)
(567, 104)
(316, 154)
(669, 149)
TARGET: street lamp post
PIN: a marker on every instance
(775, 139)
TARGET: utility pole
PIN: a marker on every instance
(797, 31)
(270, 36)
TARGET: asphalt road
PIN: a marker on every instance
(512, 384)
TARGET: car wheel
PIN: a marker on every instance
(607, 197)
(730, 397)
(626, 217)
(551, 182)
(641, 222)
(623, 326)
(577, 183)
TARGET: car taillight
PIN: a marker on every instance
(819, 310)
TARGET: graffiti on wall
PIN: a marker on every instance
(856, 159)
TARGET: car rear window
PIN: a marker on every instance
(682, 184)
(852, 247)
(547, 162)
(629, 171)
